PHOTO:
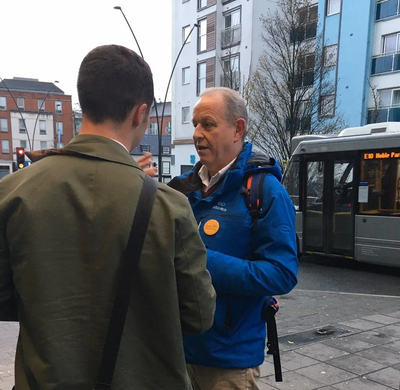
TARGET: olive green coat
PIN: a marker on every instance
(64, 226)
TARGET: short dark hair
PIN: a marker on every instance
(111, 81)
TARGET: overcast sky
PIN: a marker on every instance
(47, 39)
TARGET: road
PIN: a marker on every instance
(342, 275)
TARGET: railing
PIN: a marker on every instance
(385, 63)
(384, 114)
(230, 80)
(231, 36)
(387, 9)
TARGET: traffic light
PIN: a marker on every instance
(20, 157)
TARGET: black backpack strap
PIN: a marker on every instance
(253, 194)
(126, 278)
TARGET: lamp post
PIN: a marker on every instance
(20, 112)
(40, 108)
(159, 124)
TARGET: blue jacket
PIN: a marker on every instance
(245, 265)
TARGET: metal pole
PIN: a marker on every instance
(159, 134)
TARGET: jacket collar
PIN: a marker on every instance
(92, 146)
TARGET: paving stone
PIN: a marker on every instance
(356, 364)
(395, 346)
(381, 355)
(326, 373)
(264, 386)
(393, 314)
(387, 377)
(267, 368)
(361, 324)
(321, 352)
(382, 319)
(391, 330)
(348, 344)
(293, 381)
(292, 360)
(374, 337)
(360, 384)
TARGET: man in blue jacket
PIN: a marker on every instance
(246, 265)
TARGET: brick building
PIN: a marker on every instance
(33, 115)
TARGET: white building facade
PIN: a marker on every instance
(222, 51)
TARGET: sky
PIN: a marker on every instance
(48, 39)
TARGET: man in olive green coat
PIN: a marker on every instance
(64, 226)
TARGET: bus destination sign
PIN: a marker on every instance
(381, 155)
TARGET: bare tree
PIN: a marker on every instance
(374, 114)
(289, 93)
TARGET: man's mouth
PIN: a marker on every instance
(201, 147)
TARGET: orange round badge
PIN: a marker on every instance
(211, 227)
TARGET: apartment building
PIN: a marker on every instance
(150, 141)
(33, 115)
(220, 52)
(363, 41)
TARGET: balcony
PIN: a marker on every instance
(384, 114)
(387, 9)
(231, 36)
(231, 80)
(386, 63)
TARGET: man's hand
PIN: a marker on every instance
(146, 161)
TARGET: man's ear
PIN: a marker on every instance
(240, 129)
(139, 115)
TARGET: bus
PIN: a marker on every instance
(346, 191)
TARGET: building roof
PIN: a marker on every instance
(167, 110)
(21, 84)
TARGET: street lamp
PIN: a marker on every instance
(159, 134)
(40, 108)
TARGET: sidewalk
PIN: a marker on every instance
(362, 353)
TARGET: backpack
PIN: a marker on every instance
(253, 198)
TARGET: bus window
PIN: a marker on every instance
(383, 176)
(291, 181)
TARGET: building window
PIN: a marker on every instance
(305, 71)
(58, 107)
(22, 143)
(206, 37)
(185, 34)
(333, 7)
(327, 106)
(186, 75)
(201, 77)
(389, 60)
(231, 35)
(391, 43)
(43, 144)
(205, 75)
(168, 128)
(42, 127)
(308, 19)
(5, 146)
(22, 128)
(166, 168)
(185, 114)
(388, 108)
(166, 150)
(21, 103)
(145, 148)
(153, 129)
(60, 128)
(201, 4)
(330, 55)
(3, 103)
(4, 125)
(41, 105)
(231, 75)
(387, 8)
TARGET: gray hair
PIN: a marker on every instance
(235, 106)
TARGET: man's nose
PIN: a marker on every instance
(198, 132)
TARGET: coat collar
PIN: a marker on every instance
(93, 146)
